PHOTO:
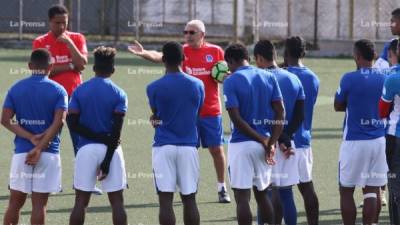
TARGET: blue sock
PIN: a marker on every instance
(288, 206)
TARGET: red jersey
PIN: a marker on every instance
(198, 63)
(60, 54)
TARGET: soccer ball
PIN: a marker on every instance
(219, 70)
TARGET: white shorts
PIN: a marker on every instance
(286, 171)
(247, 166)
(87, 164)
(363, 163)
(176, 166)
(305, 162)
(44, 177)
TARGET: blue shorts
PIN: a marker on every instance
(210, 131)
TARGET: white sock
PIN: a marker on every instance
(220, 186)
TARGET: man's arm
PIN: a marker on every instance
(56, 69)
(279, 121)
(115, 136)
(340, 102)
(293, 125)
(34, 155)
(79, 60)
(339, 106)
(7, 121)
(75, 126)
(153, 56)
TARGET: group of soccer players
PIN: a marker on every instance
(270, 108)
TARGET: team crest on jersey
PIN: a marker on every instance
(189, 70)
(209, 58)
(47, 46)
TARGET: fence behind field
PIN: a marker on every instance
(247, 20)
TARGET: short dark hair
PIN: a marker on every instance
(266, 49)
(394, 48)
(295, 46)
(396, 13)
(40, 58)
(236, 52)
(57, 10)
(104, 60)
(365, 48)
(172, 53)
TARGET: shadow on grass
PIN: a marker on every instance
(383, 219)
(107, 208)
(5, 197)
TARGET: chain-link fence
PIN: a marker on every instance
(248, 20)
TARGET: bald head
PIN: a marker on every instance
(194, 33)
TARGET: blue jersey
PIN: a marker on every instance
(360, 91)
(96, 100)
(177, 99)
(310, 82)
(34, 101)
(391, 93)
(291, 89)
(252, 91)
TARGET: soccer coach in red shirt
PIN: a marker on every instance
(200, 56)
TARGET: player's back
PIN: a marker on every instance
(34, 100)
(310, 83)
(363, 89)
(177, 99)
(254, 89)
(291, 88)
(97, 100)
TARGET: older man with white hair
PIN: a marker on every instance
(200, 56)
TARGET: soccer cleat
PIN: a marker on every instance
(223, 196)
(97, 191)
(383, 198)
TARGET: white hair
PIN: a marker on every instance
(198, 24)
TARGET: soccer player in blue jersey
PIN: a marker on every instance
(96, 113)
(251, 95)
(286, 171)
(362, 160)
(295, 50)
(383, 61)
(389, 107)
(175, 101)
(39, 106)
